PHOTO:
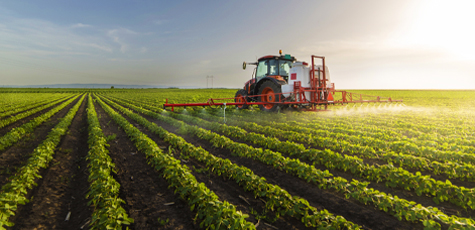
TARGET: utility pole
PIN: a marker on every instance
(208, 77)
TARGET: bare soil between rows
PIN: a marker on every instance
(63, 186)
(16, 155)
(366, 216)
(228, 190)
(427, 201)
(144, 190)
(61, 190)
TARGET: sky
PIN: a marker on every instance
(368, 44)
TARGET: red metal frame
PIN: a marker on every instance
(318, 94)
(347, 97)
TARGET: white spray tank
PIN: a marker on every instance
(299, 72)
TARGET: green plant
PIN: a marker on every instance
(111, 137)
(15, 191)
(355, 189)
(278, 200)
(163, 222)
(213, 212)
(104, 189)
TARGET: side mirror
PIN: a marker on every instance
(244, 65)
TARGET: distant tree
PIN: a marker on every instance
(112, 87)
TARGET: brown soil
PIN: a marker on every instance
(366, 216)
(143, 188)
(447, 207)
(228, 190)
(16, 155)
(63, 186)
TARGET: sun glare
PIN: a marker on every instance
(445, 25)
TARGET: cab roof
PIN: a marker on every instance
(281, 57)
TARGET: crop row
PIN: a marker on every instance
(436, 122)
(443, 129)
(399, 207)
(104, 189)
(210, 209)
(444, 124)
(321, 139)
(371, 127)
(392, 176)
(445, 141)
(26, 105)
(338, 140)
(424, 123)
(17, 133)
(277, 199)
(441, 134)
(382, 130)
(457, 150)
(17, 117)
(15, 191)
(14, 101)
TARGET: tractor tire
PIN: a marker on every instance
(270, 92)
(239, 98)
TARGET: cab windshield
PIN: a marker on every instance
(273, 67)
(284, 67)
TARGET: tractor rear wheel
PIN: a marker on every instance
(270, 92)
(240, 97)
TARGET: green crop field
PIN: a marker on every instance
(114, 158)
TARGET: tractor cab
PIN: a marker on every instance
(276, 67)
(269, 68)
(270, 74)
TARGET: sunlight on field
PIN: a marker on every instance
(359, 109)
(417, 155)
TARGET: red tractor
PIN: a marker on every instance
(283, 82)
(273, 82)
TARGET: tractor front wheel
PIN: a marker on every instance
(241, 97)
(269, 92)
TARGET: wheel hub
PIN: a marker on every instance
(270, 97)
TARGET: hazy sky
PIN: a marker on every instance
(404, 44)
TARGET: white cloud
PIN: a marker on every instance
(31, 35)
(159, 22)
(122, 31)
(123, 45)
(97, 46)
(122, 36)
(80, 25)
(27, 35)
